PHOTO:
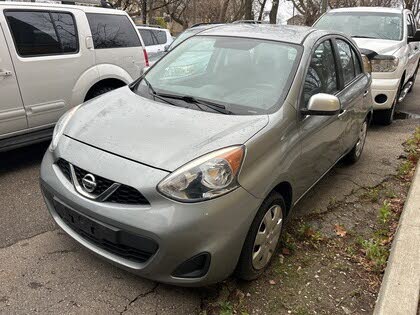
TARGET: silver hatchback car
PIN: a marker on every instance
(188, 174)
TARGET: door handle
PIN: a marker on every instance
(365, 93)
(342, 113)
(5, 73)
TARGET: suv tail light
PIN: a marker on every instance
(146, 57)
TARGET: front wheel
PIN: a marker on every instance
(263, 238)
(354, 155)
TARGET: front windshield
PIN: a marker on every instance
(183, 36)
(364, 24)
(247, 76)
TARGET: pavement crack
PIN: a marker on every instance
(141, 295)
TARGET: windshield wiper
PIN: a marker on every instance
(155, 94)
(188, 99)
(191, 99)
(361, 36)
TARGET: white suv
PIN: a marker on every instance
(391, 39)
(53, 57)
(155, 39)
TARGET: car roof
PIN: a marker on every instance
(367, 9)
(283, 33)
(41, 5)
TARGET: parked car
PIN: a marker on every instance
(194, 30)
(185, 177)
(390, 34)
(54, 57)
(155, 39)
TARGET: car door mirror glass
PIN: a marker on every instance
(323, 105)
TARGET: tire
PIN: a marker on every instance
(273, 209)
(413, 79)
(354, 155)
(385, 117)
(101, 90)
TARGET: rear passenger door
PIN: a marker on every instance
(12, 113)
(117, 44)
(354, 90)
(49, 58)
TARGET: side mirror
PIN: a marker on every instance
(415, 38)
(144, 70)
(166, 48)
(322, 104)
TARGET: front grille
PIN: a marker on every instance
(123, 195)
(102, 184)
(114, 240)
(65, 168)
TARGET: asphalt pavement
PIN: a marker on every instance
(43, 270)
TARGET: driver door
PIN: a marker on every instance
(321, 136)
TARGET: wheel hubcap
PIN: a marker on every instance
(362, 138)
(267, 237)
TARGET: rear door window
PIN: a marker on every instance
(112, 31)
(40, 33)
(160, 36)
(147, 37)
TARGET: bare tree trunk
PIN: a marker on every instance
(260, 16)
(248, 10)
(222, 16)
(150, 12)
(144, 11)
(273, 12)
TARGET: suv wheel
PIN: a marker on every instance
(102, 90)
(263, 238)
(354, 155)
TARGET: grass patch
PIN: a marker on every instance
(405, 168)
(372, 194)
(385, 212)
(375, 252)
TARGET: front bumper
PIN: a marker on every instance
(386, 87)
(181, 230)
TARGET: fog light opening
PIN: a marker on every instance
(195, 267)
(381, 98)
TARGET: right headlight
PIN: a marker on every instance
(384, 63)
(207, 177)
(60, 125)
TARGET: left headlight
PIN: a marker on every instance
(207, 177)
(60, 125)
(384, 63)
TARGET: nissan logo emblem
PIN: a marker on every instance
(89, 183)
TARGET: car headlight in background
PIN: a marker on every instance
(60, 125)
(207, 177)
(384, 63)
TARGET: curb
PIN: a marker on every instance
(400, 288)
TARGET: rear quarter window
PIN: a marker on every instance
(112, 31)
(160, 37)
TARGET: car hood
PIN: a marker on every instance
(380, 46)
(157, 134)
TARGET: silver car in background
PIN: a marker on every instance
(189, 173)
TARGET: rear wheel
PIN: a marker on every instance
(354, 155)
(262, 239)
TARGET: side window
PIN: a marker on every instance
(357, 66)
(409, 22)
(112, 31)
(66, 31)
(321, 76)
(40, 33)
(160, 36)
(346, 60)
(147, 37)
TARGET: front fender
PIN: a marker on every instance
(95, 74)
